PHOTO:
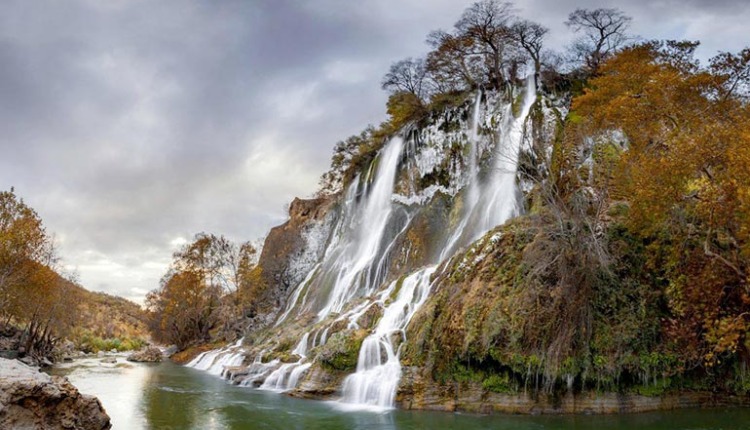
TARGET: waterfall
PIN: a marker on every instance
(349, 278)
(292, 302)
(354, 261)
(472, 194)
(502, 200)
(378, 368)
(301, 349)
(499, 193)
(287, 376)
(357, 261)
(217, 360)
(378, 365)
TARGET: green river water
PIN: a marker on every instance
(168, 396)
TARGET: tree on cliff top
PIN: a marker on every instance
(604, 32)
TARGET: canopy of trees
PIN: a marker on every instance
(46, 306)
(685, 178)
(204, 293)
(32, 295)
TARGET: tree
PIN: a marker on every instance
(487, 23)
(32, 295)
(202, 291)
(453, 64)
(604, 32)
(734, 73)
(407, 75)
(183, 309)
(23, 242)
(530, 36)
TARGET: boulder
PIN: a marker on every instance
(109, 360)
(149, 355)
(30, 399)
(171, 350)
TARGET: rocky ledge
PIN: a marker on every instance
(30, 399)
(148, 355)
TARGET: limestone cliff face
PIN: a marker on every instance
(292, 249)
(337, 266)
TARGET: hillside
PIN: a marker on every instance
(108, 322)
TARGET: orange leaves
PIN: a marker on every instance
(686, 175)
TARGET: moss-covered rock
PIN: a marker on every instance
(342, 350)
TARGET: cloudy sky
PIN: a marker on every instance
(131, 125)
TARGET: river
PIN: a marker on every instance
(167, 396)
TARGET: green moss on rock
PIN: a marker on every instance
(342, 350)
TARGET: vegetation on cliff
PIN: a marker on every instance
(630, 272)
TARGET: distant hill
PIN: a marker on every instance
(109, 316)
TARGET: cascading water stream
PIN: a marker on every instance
(216, 361)
(502, 201)
(472, 194)
(287, 376)
(292, 302)
(378, 366)
(362, 252)
(499, 194)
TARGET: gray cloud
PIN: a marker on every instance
(132, 125)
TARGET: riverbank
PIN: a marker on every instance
(416, 391)
(165, 395)
(30, 399)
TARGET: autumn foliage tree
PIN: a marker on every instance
(32, 295)
(201, 296)
(685, 179)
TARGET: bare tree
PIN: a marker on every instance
(734, 70)
(530, 36)
(407, 75)
(604, 32)
(487, 22)
(453, 63)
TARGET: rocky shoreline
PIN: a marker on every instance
(416, 393)
(30, 399)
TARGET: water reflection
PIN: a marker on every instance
(166, 396)
(171, 401)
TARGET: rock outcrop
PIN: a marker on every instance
(30, 399)
(289, 252)
(148, 355)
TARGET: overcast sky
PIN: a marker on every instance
(132, 125)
